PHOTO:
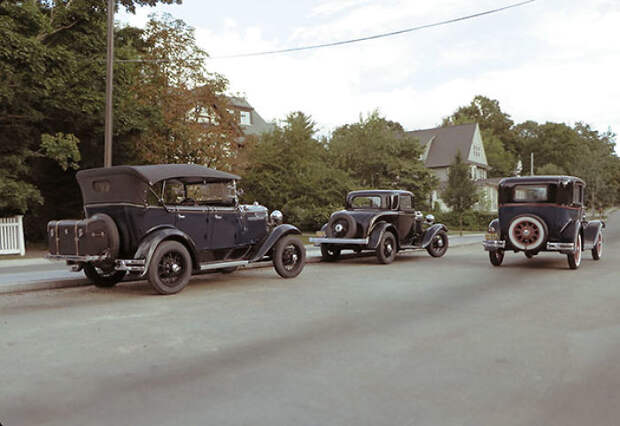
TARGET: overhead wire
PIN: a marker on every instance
(376, 36)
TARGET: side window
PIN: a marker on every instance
(406, 202)
(217, 193)
(174, 192)
(151, 197)
(578, 195)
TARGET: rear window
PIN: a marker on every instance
(531, 193)
(366, 202)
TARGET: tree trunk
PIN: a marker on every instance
(461, 224)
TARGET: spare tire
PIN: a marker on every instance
(341, 225)
(527, 232)
(113, 236)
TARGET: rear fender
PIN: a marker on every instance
(431, 232)
(377, 233)
(277, 233)
(591, 231)
(149, 243)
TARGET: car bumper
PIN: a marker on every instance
(491, 245)
(561, 246)
(339, 241)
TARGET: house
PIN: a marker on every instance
(250, 121)
(441, 145)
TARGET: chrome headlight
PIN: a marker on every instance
(492, 229)
(430, 219)
(276, 217)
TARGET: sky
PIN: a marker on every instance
(551, 60)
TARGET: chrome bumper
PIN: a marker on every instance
(561, 246)
(491, 245)
(130, 265)
(340, 241)
(76, 259)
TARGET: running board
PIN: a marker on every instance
(218, 265)
(411, 247)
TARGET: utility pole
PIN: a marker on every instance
(107, 156)
(531, 164)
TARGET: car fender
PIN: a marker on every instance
(149, 243)
(431, 232)
(591, 231)
(277, 233)
(377, 233)
(495, 225)
(324, 229)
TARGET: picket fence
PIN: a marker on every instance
(12, 235)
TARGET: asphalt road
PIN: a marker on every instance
(424, 341)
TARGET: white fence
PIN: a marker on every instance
(12, 236)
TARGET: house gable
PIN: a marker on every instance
(476, 150)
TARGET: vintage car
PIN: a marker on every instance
(167, 222)
(384, 221)
(543, 213)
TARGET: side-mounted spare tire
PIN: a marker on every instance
(341, 225)
(527, 232)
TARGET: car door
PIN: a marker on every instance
(190, 216)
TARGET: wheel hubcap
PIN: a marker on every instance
(526, 233)
(290, 257)
(171, 268)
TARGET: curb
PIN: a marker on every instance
(82, 282)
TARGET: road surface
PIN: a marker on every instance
(424, 341)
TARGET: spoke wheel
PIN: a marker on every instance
(386, 251)
(438, 245)
(329, 253)
(597, 250)
(496, 257)
(574, 258)
(170, 268)
(289, 256)
(527, 232)
(102, 278)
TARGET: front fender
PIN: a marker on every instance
(431, 232)
(591, 232)
(277, 233)
(149, 243)
(377, 232)
(495, 225)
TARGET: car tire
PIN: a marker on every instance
(329, 253)
(101, 278)
(527, 232)
(170, 268)
(289, 256)
(438, 245)
(597, 250)
(386, 250)
(341, 225)
(496, 257)
(574, 258)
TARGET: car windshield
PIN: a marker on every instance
(530, 193)
(366, 202)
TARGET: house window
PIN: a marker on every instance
(245, 118)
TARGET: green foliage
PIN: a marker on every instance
(289, 171)
(471, 220)
(550, 169)
(460, 193)
(61, 148)
(378, 154)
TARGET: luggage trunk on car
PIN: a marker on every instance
(87, 237)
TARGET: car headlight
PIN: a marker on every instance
(430, 219)
(492, 229)
(276, 217)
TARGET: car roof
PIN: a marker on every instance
(156, 173)
(511, 181)
(378, 192)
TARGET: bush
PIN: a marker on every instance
(472, 220)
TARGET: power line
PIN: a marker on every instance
(356, 40)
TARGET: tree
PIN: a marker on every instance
(289, 171)
(500, 142)
(377, 153)
(190, 120)
(460, 193)
(52, 68)
(550, 169)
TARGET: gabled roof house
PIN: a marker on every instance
(442, 144)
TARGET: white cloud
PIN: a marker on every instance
(546, 62)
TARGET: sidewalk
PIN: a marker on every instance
(38, 273)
